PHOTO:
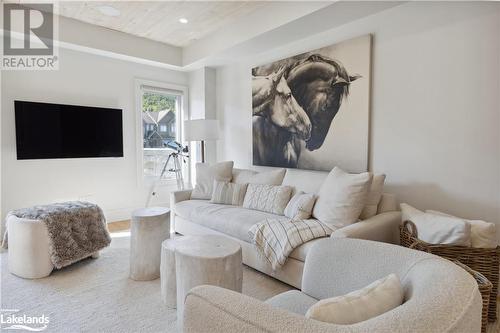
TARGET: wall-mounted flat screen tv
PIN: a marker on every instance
(45, 130)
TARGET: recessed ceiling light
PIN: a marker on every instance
(108, 10)
(183, 20)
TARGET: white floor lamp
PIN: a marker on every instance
(201, 130)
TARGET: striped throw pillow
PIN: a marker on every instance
(226, 193)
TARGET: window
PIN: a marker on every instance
(160, 116)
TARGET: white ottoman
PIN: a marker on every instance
(28, 248)
(213, 260)
(148, 229)
(28, 252)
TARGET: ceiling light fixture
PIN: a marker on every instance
(109, 11)
(183, 20)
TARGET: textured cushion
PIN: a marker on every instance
(300, 206)
(374, 195)
(437, 229)
(206, 174)
(293, 301)
(342, 197)
(228, 193)
(273, 177)
(267, 198)
(482, 234)
(232, 220)
(378, 297)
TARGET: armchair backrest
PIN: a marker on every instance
(438, 293)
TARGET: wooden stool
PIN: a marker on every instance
(149, 228)
(213, 260)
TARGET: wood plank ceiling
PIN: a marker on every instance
(158, 20)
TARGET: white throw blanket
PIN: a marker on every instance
(277, 238)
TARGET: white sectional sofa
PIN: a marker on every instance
(200, 217)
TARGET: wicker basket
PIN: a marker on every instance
(484, 261)
(485, 287)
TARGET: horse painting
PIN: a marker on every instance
(279, 119)
(311, 110)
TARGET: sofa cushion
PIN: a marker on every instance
(293, 301)
(206, 174)
(300, 206)
(378, 297)
(300, 252)
(227, 193)
(305, 180)
(232, 220)
(374, 195)
(267, 198)
(342, 197)
(272, 177)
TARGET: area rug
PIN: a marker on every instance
(96, 295)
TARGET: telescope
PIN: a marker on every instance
(179, 155)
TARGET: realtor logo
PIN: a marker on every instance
(28, 36)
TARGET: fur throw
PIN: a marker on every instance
(76, 229)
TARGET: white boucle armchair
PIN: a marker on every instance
(439, 296)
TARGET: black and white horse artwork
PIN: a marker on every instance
(294, 103)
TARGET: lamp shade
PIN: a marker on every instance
(201, 129)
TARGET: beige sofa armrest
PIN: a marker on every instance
(211, 309)
(382, 227)
(178, 196)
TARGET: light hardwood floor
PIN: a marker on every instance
(119, 226)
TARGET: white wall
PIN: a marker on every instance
(202, 105)
(435, 116)
(82, 79)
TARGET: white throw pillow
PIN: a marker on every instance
(226, 193)
(206, 174)
(300, 206)
(374, 195)
(437, 229)
(342, 197)
(482, 234)
(267, 198)
(273, 177)
(373, 300)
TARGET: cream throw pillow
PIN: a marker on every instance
(273, 177)
(437, 229)
(226, 193)
(373, 198)
(482, 234)
(300, 206)
(267, 198)
(342, 197)
(206, 174)
(373, 300)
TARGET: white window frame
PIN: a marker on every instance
(142, 180)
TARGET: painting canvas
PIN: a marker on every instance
(311, 111)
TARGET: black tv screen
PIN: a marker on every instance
(45, 130)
